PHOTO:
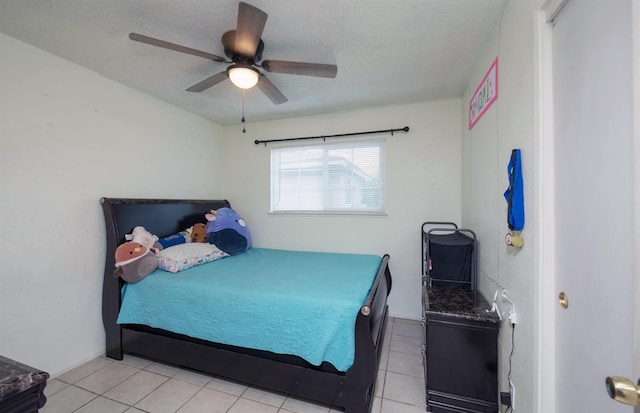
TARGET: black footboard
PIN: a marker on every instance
(371, 324)
(352, 390)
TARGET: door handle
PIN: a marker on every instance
(623, 390)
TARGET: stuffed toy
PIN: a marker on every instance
(199, 233)
(134, 261)
(144, 237)
(228, 231)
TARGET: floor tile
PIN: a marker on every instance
(136, 387)
(404, 363)
(384, 359)
(264, 396)
(409, 345)
(250, 406)
(386, 341)
(54, 386)
(377, 404)
(102, 405)
(379, 383)
(404, 389)
(134, 361)
(209, 401)
(297, 405)
(67, 400)
(199, 379)
(169, 397)
(107, 378)
(407, 328)
(85, 370)
(390, 321)
(390, 406)
(227, 386)
(164, 369)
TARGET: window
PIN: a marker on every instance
(339, 177)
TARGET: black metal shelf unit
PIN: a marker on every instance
(448, 256)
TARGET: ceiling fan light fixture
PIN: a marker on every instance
(243, 76)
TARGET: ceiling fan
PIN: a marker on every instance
(243, 47)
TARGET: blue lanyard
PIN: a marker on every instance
(515, 194)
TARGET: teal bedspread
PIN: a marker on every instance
(286, 302)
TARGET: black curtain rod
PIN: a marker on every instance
(324, 137)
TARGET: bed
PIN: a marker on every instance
(347, 384)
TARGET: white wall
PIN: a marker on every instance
(510, 123)
(422, 176)
(69, 137)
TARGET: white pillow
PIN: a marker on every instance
(183, 256)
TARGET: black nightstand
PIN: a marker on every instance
(21, 387)
(461, 351)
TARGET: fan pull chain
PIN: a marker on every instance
(243, 121)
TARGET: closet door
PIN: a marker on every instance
(595, 217)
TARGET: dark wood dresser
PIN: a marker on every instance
(461, 351)
(21, 387)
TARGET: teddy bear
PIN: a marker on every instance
(228, 231)
(199, 233)
(134, 261)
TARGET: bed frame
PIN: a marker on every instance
(351, 390)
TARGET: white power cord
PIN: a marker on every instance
(512, 310)
(494, 305)
(513, 318)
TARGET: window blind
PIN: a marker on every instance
(337, 177)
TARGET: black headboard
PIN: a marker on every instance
(161, 217)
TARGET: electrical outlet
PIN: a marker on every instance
(513, 317)
(505, 398)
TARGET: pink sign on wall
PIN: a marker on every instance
(485, 95)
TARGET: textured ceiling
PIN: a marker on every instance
(387, 52)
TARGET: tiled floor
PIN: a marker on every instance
(136, 385)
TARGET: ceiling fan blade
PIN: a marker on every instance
(171, 46)
(251, 21)
(270, 90)
(209, 82)
(300, 68)
(229, 40)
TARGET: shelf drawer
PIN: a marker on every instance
(461, 364)
(442, 402)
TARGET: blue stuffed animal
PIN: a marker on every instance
(228, 231)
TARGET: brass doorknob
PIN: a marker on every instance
(623, 390)
(563, 300)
